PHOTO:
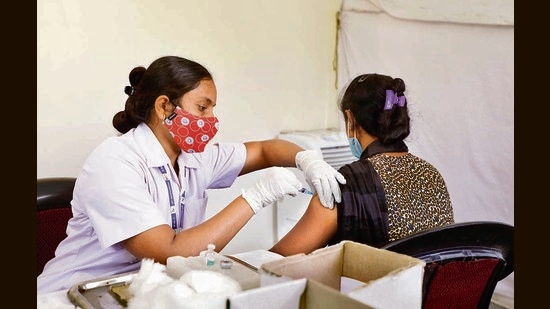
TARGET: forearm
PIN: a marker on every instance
(161, 242)
(218, 229)
(273, 152)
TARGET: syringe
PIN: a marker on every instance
(306, 191)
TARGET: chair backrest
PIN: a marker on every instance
(53, 198)
(464, 262)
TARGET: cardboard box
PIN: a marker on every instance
(294, 294)
(386, 279)
(269, 293)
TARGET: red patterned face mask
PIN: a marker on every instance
(190, 132)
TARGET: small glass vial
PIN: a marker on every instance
(226, 264)
(210, 257)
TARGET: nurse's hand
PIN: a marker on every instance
(274, 184)
(320, 176)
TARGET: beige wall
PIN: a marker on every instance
(272, 62)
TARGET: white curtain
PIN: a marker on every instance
(458, 65)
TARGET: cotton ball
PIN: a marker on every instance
(152, 287)
(141, 301)
(174, 294)
(150, 276)
(204, 301)
(212, 288)
(206, 281)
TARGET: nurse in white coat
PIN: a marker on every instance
(143, 194)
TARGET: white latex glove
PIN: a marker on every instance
(272, 186)
(321, 177)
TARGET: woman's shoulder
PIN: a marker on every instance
(354, 167)
(116, 143)
(127, 147)
(223, 149)
(218, 154)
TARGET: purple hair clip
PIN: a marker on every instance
(392, 99)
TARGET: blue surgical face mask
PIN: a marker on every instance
(355, 147)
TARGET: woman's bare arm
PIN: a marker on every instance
(273, 152)
(161, 242)
(314, 229)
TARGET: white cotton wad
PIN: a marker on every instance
(153, 288)
(207, 281)
(149, 277)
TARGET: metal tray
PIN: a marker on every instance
(95, 294)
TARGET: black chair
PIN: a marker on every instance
(53, 198)
(464, 262)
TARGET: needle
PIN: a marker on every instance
(306, 191)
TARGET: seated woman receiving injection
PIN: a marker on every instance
(389, 193)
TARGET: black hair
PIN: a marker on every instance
(172, 76)
(365, 97)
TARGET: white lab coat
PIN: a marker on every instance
(121, 192)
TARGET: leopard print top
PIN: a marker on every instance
(416, 194)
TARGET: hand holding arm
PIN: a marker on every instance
(320, 176)
(272, 186)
